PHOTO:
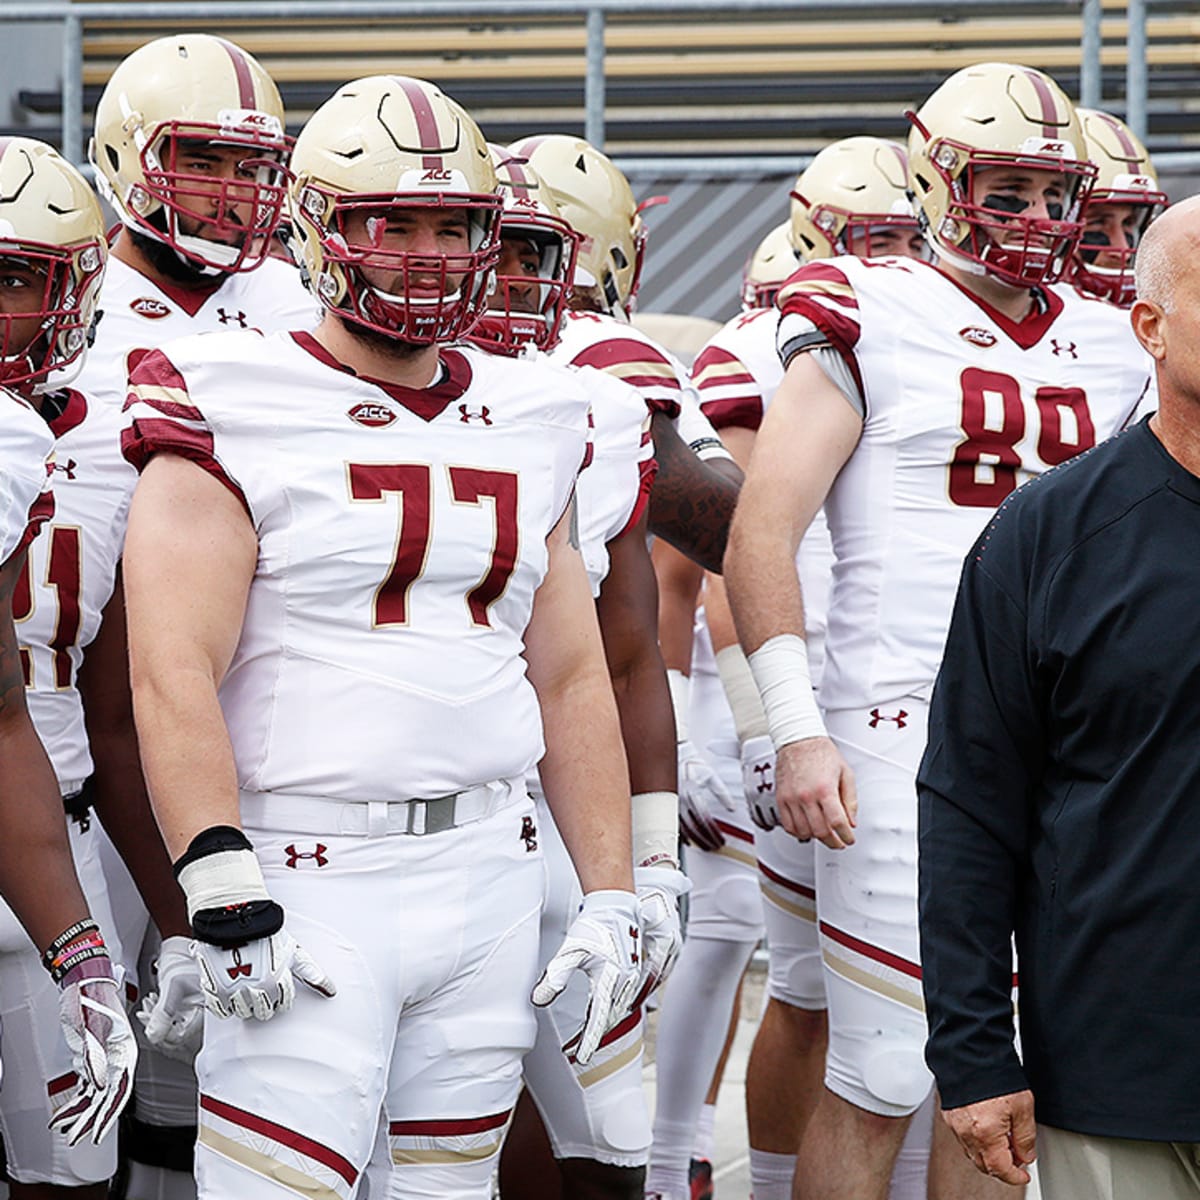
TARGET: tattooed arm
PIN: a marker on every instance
(37, 874)
(692, 502)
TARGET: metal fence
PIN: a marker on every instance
(73, 15)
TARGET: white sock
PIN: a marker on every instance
(771, 1175)
(692, 1025)
(702, 1147)
(911, 1173)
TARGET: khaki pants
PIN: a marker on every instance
(1076, 1166)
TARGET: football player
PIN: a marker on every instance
(356, 602)
(915, 399)
(189, 149)
(1124, 199)
(52, 254)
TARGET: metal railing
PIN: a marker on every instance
(73, 15)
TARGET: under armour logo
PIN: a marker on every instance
(633, 937)
(239, 967)
(480, 414)
(67, 468)
(294, 856)
(228, 318)
(899, 718)
(529, 834)
(1064, 348)
(764, 783)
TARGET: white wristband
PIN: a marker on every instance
(780, 667)
(681, 692)
(217, 880)
(655, 829)
(749, 717)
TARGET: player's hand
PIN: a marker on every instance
(814, 793)
(999, 1135)
(602, 942)
(102, 1044)
(658, 892)
(173, 1016)
(758, 781)
(256, 979)
(701, 796)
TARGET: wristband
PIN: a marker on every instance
(219, 870)
(780, 668)
(741, 692)
(681, 691)
(87, 925)
(655, 829)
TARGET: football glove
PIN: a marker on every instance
(702, 796)
(658, 892)
(173, 1016)
(758, 780)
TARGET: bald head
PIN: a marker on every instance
(1169, 246)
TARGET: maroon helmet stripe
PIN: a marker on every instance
(1050, 122)
(901, 156)
(241, 71)
(427, 129)
(1127, 145)
(5, 142)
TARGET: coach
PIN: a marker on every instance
(1060, 799)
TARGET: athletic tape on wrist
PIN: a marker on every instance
(655, 829)
(737, 680)
(780, 668)
(221, 880)
(681, 691)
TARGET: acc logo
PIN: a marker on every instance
(373, 416)
(151, 309)
(436, 175)
(977, 336)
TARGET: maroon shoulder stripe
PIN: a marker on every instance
(448, 1128)
(242, 73)
(284, 1136)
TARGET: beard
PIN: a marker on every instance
(167, 262)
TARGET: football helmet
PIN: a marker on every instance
(52, 255)
(527, 309)
(166, 100)
(595, 199)
(849, 188)
(771, 263)
(983, 117)
(381, 147)
(1126, 178)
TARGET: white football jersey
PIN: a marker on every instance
(961, 406)
(137, 314)
(402, 535)
(69, 577)
(26, 456)
(736, 375)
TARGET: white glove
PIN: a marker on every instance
(602, 942)
(701, 794)
(173, 1016)
(658, 892)
(758, 780)
(103, 1047)
(255, 979)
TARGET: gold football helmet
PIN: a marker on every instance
(166, 103)
(988, 116)
(1124, 199)
(850, 188)
(52, 255)
(527, 307)
(771, 263)
(369, 157)
(595, 199)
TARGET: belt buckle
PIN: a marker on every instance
(439, 814)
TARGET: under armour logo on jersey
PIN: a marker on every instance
(763, 781)
(228, 318)
(899, 718)
(529, 834)
(67, 468)
(294, 856)
(482, 413)
(239, 967)
(1064, 348)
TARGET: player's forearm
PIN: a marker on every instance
(185, 750)
(679, 581)
(761, 582)
(586, 781)
(37, 872)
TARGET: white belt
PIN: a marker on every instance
(325, 816)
